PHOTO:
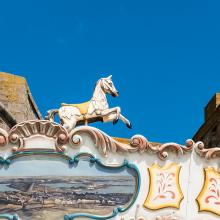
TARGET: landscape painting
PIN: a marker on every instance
(51, 190)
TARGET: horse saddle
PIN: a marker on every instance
(83, 107)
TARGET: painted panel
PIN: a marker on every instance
(47, 172)
(164, 187)
(209, 197)
(53, 188)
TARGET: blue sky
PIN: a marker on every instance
(45, 168)
(163, 55)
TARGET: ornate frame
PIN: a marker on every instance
(74, 160)
(204, 188)
(151, 187)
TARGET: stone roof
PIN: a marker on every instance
(16, 101)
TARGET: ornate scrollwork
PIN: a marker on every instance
(3, 138)
(208, 154)
(180, 149)
(37, 127)
(102, 141)
(137, 143)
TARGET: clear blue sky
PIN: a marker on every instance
(45, 168)
(164, 57)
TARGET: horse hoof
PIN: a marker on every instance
(115, 121)
(129, 125)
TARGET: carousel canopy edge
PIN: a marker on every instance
(17, 136)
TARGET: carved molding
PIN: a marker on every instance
(208, 154)
(104, 143)
(37, 127)
(137, 143)
(3, 138)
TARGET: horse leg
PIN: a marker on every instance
(68, 124)
(125, 120)
(111, 114)
(114, 115)
(68, 117)
(118, 112)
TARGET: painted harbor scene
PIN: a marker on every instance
(52, 196)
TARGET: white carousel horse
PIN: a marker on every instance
(97, 109)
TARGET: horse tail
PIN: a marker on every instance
(50, 114)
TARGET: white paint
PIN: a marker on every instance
(191, 175)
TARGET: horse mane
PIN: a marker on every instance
(96, 84)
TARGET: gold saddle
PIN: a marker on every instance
(83, 107)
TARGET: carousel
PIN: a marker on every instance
(71, 170)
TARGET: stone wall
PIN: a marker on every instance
(16, 99)
(209, 132)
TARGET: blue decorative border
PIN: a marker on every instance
(9, 217)
(74, 161)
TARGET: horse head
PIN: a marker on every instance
(108, 87)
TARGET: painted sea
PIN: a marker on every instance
(51, 197)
